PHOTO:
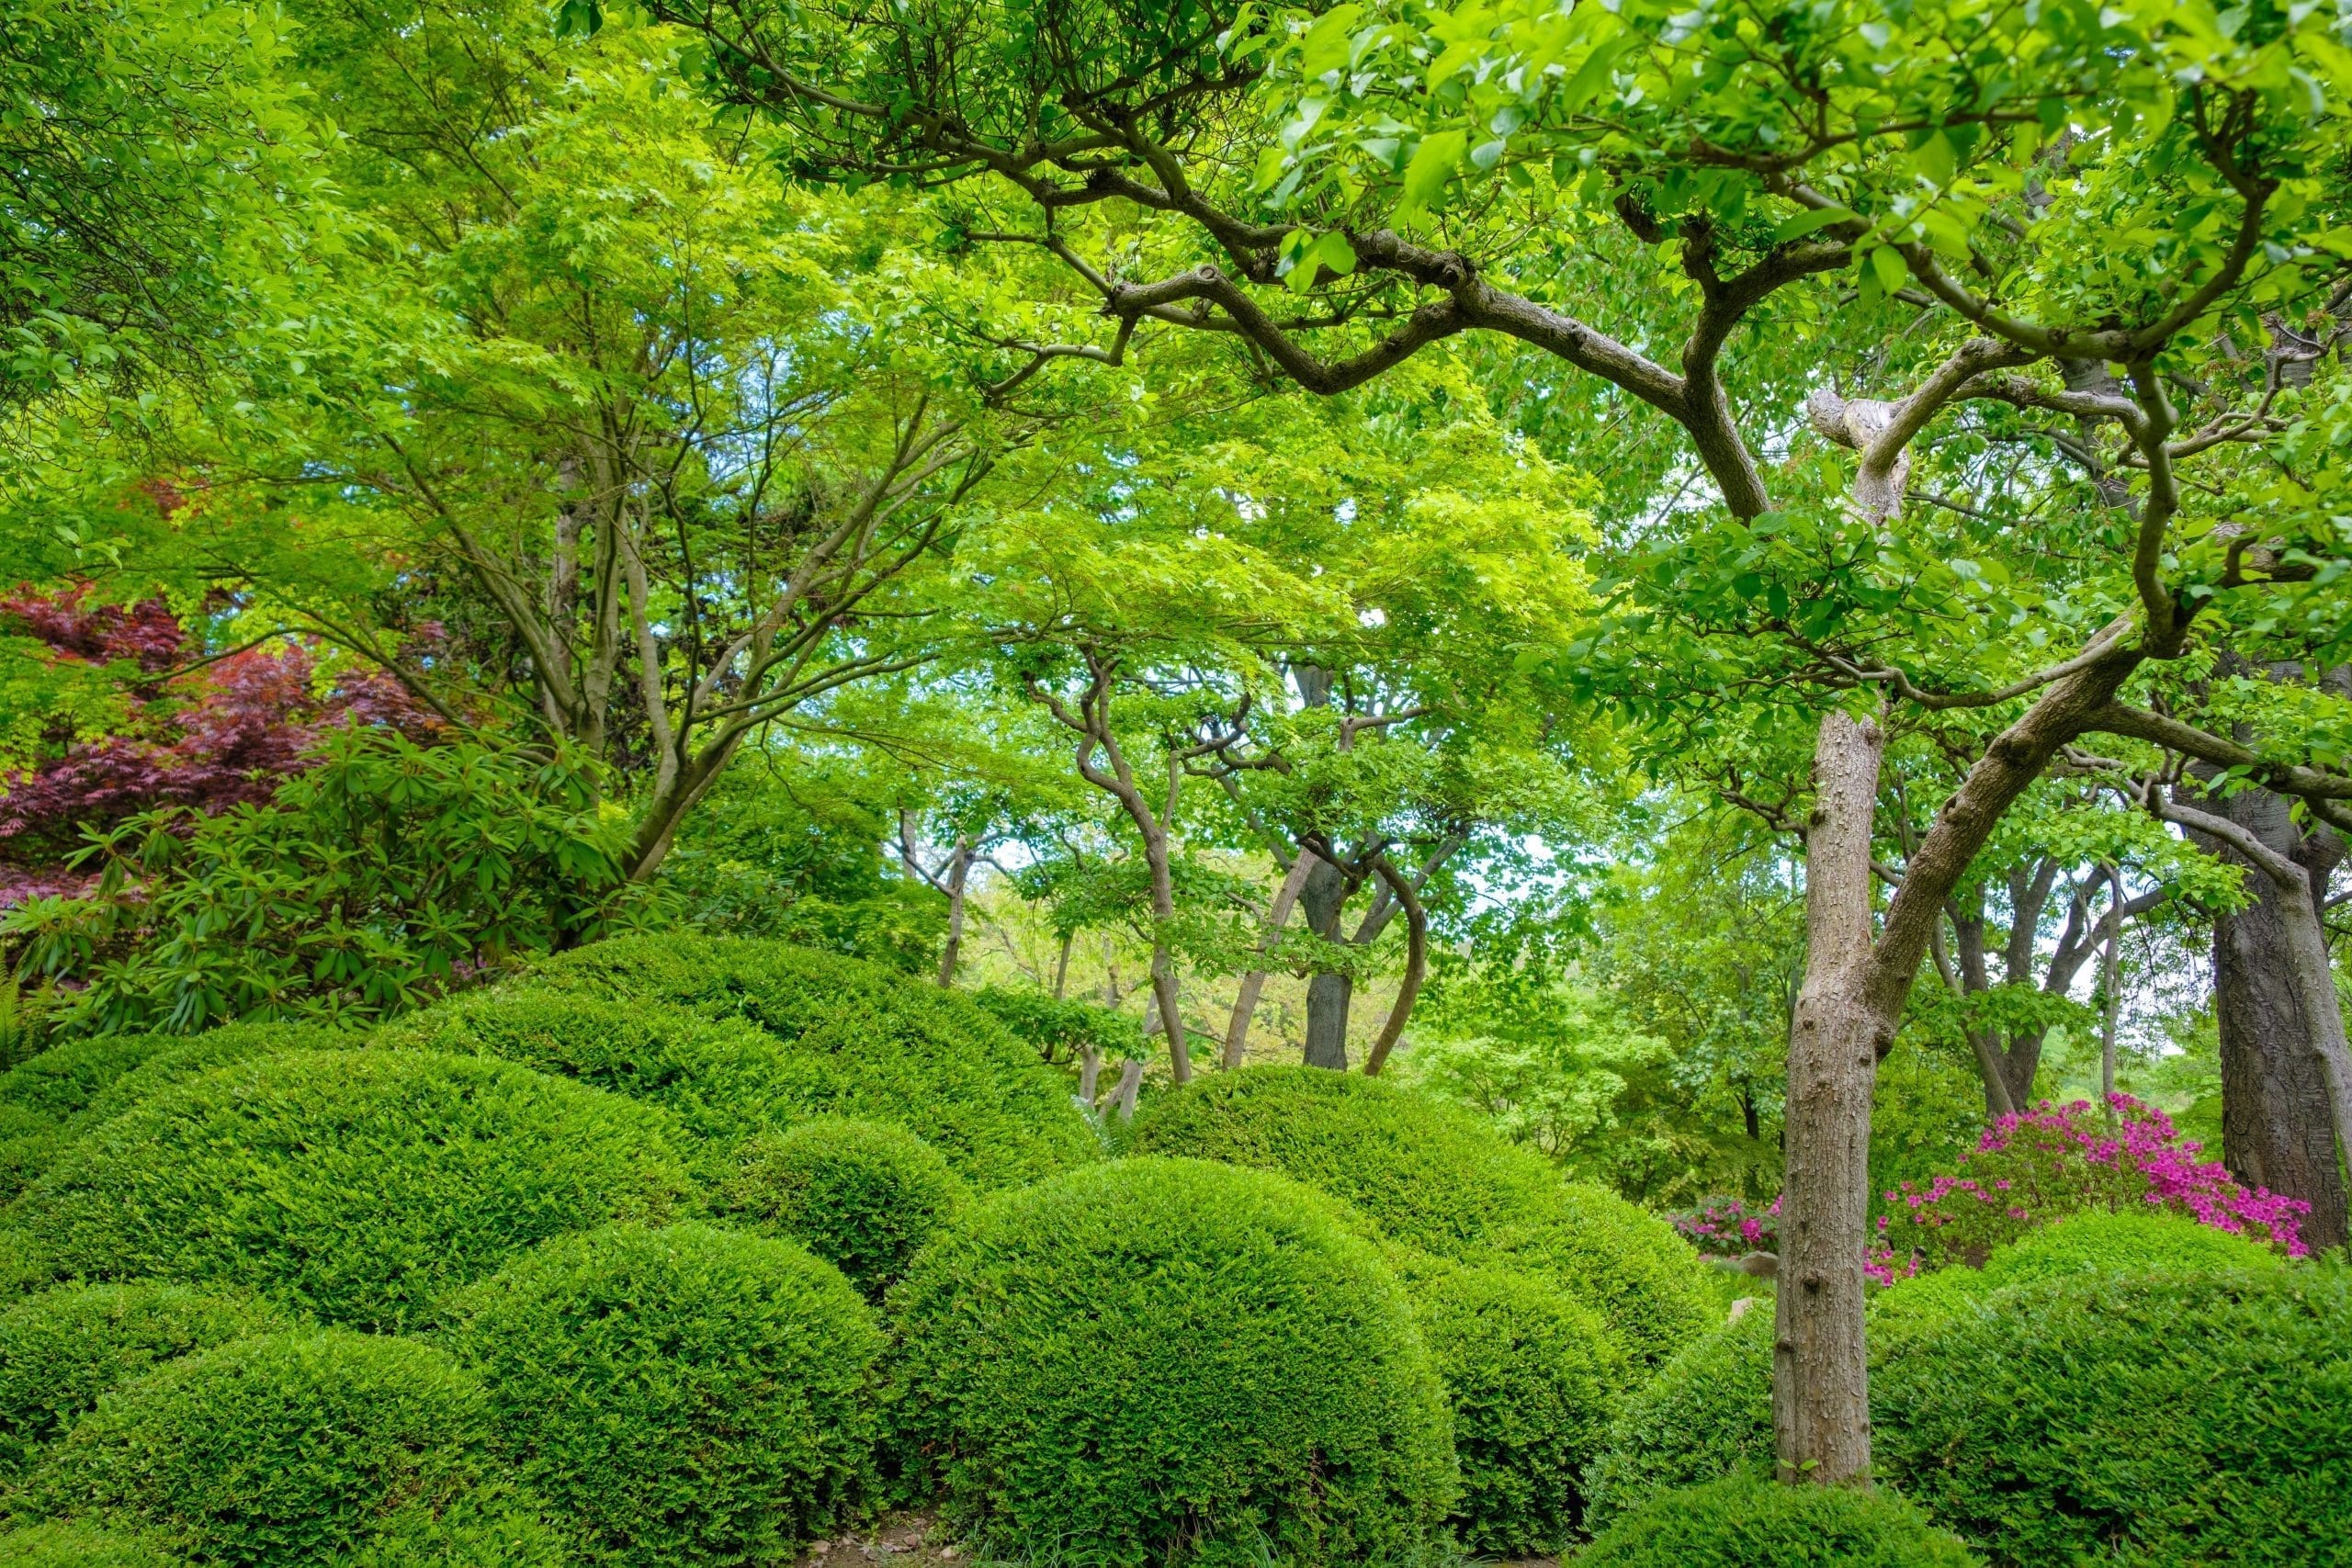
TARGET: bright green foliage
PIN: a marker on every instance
(862, 1196)
(77, 1546)
(193, 1057)
(64, 1079)
(1744, 1521)
(1164, 1360)
(275, 1451)
(717, 1076)
(1058, 1029)
(688, 1394)
(2154, 1243)
(861, 1041)
(28, 1142)
(491, 1526)
(1435, 1178)
(357, 1185)
(1533, 1379)
(1707, 1413)
(2152, 1419)
(60, 1349)
(354, 895)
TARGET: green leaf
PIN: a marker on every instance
(1888, 266)
(1804, 223)
(1433, 164)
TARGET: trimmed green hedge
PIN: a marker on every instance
(2096, 1242)
(60, 1349)
(862, 1196)
(1436, 1179)
(862, 1042)
(357, 1185)
(1533, 1380)
(2135, 1420)
(77, 1546)
(1165, 1360)
(689, 1394)
(1743, 1521)
(1707, 1413)
(491, 1526)
(29, 1143)
(59, 1081)
(275, 1451)
(721, 1078)
(192, 1056)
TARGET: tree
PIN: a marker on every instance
(2043, 188)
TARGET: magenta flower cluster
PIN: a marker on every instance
(1725, 1228)
(2033, 1167)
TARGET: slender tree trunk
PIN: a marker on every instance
(959, 878)
(1061, 964)
(2110, 986)
(1327, 992)
(1417, 968)
(1245, 1006)
(1821, 1378)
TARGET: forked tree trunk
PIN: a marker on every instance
(959, 882)
(1253, 984)
(1327, 991)
(1821, 1378)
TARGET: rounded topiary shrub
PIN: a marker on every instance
(1435, 1178)
(719, 1077)
(862, 1196)
(79, 1546)
(62, 1079)
(29, 1143)
(1162, 1360)
(1533, 1379)
(1743, 1521)
(861, 1041)
(60, 1349)
(2132, 1418)
(2152, 1243)
(194, 1055)
(494, 1525)
(688, 1394)
(275, 1451)
(1706, 1414)
(357, 1185)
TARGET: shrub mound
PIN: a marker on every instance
(688, 1394)
(2140, 1418)
(718, 1077)
(75, 1546)
(30, 1142)
(492, 1525)
(60, 1080)
(862, 1196)
(861, 1041)
(1434, 1179)
(1707, 1413)
(1160, 1361)
(60, 1349)
(192, 1056)
(1743, 1521)
(2155, 1242)
(1533, 1380)
(357, 1185)
(277, 1451)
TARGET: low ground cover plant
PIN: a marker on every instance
(1744, 1521)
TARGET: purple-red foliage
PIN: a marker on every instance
(214, 735)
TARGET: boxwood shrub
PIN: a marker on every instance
(721, 1078)
(1435, 1178)
(1166, 1361)
(493, 1524)
(1744, 1521)
(1707, 1413)
(863, 1042)
(2098, 1242)
(60, 1080)
(862, 1196)
(29, 1144)
(275, 1451)
(1533, 1380)
(2134, 1418)
(357, 1185)
(688, 1394)
(60, 1349)
(80, 1546)
(190, 1056)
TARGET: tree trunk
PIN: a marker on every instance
(959, 878)
(1245, 1006)
(1417, 968)
(2110, 987)
(1061, 964)
(1328, 993)
(2277, 1128)
(1820, 1374)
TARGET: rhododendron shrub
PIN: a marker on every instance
(1725, 1228)
(2033, 1167)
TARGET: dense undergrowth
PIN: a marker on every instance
(689, 1251)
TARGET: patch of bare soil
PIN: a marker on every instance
(895, 1540)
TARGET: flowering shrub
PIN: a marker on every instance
(1725, 1228)
(2032, 1167)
